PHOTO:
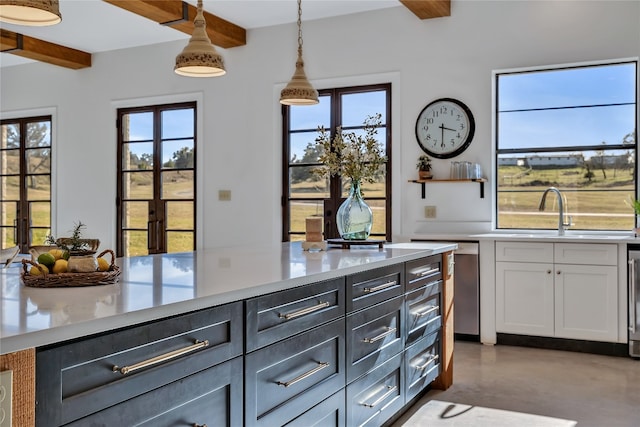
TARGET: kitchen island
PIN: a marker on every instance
(255, 303)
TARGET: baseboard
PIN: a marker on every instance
(466, 337)
(580, 346)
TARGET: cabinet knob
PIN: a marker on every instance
(558, 272)
(548, 271)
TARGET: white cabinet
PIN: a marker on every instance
(561, 290)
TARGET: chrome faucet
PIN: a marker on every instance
(561, 223)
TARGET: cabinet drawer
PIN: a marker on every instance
(211, 397)
(77, 379)
(377, 396)
(374, 286)
(330, 412)
(524, 251)
(374, 335)
(287, 378)
(421, 271)
(586, 254)
(423, 310)
(276, 316)
(422, 364)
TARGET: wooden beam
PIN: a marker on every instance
(40, 50)
(426, 9)
(179, 15)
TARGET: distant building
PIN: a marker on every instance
(568, 160)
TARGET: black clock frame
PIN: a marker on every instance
(465, 144)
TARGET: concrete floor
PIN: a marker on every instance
(593, 390)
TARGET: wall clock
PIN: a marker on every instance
(445, 128)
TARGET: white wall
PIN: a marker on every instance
(240, 117)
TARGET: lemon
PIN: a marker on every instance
(57, 253)
(46, 259)
(35, 271)
(60, 266)
(103, 265)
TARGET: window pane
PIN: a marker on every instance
(135, 215)
(177, 154)
(177, 185)
(300, 210)
(178, 123)
(10, 136)
(38, 236)
(379, 215)
(38, 134)
(303, 184)
(9, 187)
(311, 116)
(40, 214)
(8, 213)
(356, 107)
(38, 187)
(180, 215)
(302, 147)
(9, 162)
(137, 156)
(137, 185)
(137, 126)
(38, 160)
(135, 243)
(179, 241)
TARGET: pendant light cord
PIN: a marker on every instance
(300, 28)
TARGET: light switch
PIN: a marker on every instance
(6, 396)
(224, 195)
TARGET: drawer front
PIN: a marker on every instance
(287, 378)
(276, 316)
(524, 252)
(586, 254)
(371, 287)
(376, 397)
(330, 412)
(422, 271)
(423, 311)
(374, 335)
(422, 364)
(76, 379)
(211, 397)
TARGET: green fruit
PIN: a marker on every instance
(46, 259)
(65, 255)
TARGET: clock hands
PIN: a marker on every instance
(442, 129)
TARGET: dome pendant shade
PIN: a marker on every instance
(299, 91)
(33, 13)
(199, 58)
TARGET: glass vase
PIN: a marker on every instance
(354, 218)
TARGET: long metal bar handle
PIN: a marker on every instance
(388, 332)
(428, 272)
(151, 243)
(162, 358)
(429, 310)
(389, 392)
(632, 295)
(381, 287)
(321, 366)
(302, 312)
(428, 362)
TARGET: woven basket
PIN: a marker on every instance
(50, 280)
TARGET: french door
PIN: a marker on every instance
(156, 179)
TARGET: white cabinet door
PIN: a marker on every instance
(586, 299)
(524, 298)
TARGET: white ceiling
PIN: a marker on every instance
(95, 26)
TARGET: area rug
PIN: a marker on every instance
(446, 414)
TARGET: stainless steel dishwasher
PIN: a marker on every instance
(466, 292)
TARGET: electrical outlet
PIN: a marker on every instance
(429, 211)
(6, 396)
(224, 195)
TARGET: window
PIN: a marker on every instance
(303, 194)
(25, 181)
(573, 128)
(156, 179)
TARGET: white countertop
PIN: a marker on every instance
(157, 286)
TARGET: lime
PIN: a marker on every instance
(46, 259)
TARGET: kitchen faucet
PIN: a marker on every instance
(561, 223)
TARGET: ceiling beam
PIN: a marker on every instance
(179, 15)
(426, 9)
(44, 51)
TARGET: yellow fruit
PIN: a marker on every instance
(60, 266)
(46, 259)
(103, 265)
(57, 253)
(35, 271)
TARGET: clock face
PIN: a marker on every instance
(445, 128)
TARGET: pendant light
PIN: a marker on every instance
(299, 91)
(199, 58)
(34, 13)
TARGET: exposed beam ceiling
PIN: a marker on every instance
(426, 9)
(41, 50)
(179, 15)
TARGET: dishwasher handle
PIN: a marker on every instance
(632, 295)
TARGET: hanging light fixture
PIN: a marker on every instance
(299, 91)
(34, 13)
(199, 58)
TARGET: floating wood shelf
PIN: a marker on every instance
(435, 181)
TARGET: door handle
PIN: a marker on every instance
(632, 295)
(151, 237)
